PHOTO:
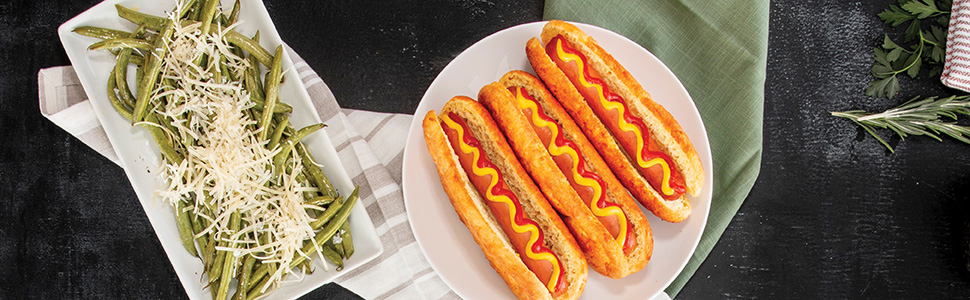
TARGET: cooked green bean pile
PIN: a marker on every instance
(250, 201)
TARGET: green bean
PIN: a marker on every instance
(223, 19)
(152, 71)
(284, 154)
(278, 133)
(203, 239)
(214, 288)
(347, 240)
(186, 7)
(150, 21)
(210, 248)
(233, 37)
(336, 248)
(302, 180)
(258, 275)
(101, 32)
(255, 89)
(164, 144)
(257, 289)
(251, 46)
(280, 108)
(184, 227)
(196, 13)
(136, 57)
(332, 253)
(244, 276)
(139, 74)
(253, 86)
(113, 98)
(121, 70)
(327, 215)
(307, 265)
(121, 77)
(272, 91)
(234, 15)
(122, 43)
(281, 158)
(305, 131)
(229, 264)
(208, 12)
(224, 68)
(316, 173)
(215, 273)
(339, 217)
(219, 265)
(215, 65)
(320, 200)
(328, 231)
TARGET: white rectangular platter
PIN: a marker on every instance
(141, 159)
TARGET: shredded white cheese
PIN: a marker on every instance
(227, 169)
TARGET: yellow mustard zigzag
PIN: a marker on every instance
(519, 228)
(624, 125)
(557, 150)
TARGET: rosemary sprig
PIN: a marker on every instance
(917, 117)
(927, 46)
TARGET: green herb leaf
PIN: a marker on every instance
(886, 87)
(894, 55)
(938, 54)
(882, 71)
(913, 70)
(895, 16)
(888, 43)
(921, 49)
(903, 62)
(935, 71)
(922, 9)
(943, 20)
(912, 31)
(880, 56)
(938, 35)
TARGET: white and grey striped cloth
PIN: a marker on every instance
(401, 272)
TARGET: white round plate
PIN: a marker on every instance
(446, 242)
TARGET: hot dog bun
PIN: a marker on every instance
(605, 250)
(663, 129)
(470, 203)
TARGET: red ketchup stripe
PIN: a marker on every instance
(533, 252)
(649, 150)
(581, 168)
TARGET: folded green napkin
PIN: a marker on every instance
(718, 49)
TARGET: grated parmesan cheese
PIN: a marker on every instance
(227, 168)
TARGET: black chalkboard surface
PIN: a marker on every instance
(832, 215)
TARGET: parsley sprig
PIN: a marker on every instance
(919, 45)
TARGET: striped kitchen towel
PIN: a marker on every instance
(401, 272)
(956, 66)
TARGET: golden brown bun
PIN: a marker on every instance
(472, 210)
(663, 127)
(601, 138)
(602, 252)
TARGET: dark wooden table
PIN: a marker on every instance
(833, 215)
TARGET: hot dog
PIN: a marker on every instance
(521, 235)
(642, 143)
(605, 220)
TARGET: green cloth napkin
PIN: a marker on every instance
(718, 49)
